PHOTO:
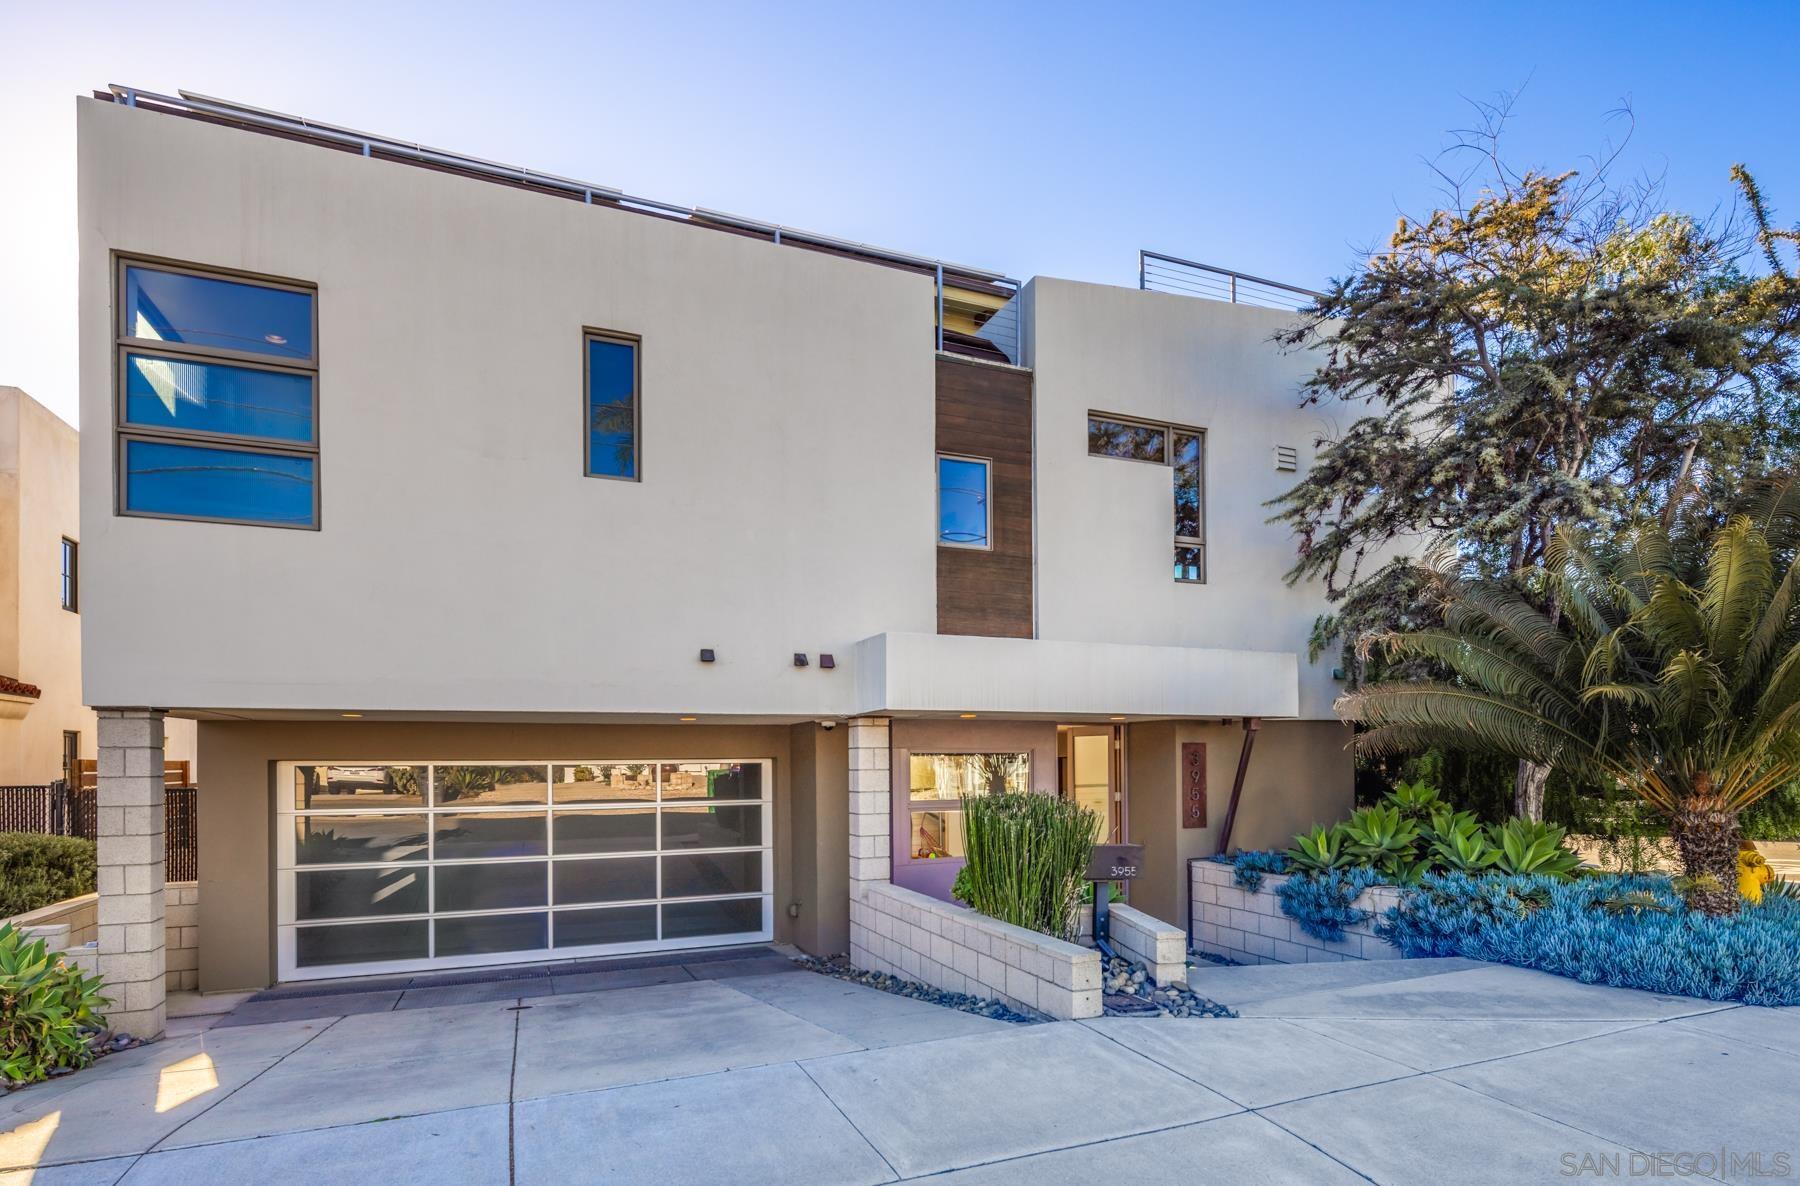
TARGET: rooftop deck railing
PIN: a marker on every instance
(1004, 323)
(1186, 277)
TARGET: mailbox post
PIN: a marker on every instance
(1110, 862)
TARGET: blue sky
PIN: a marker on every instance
(1034, 139)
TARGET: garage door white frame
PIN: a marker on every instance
(288, 812)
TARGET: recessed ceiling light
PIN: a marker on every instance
(967, 716)
(350, 715)
(1115, 718)
(690, 719)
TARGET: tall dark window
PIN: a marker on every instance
(964, 488)
(611, 402)
(217, 396)
(1183, 450)
(71, 575)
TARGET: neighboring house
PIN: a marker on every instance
(553, 573)
(45, 729)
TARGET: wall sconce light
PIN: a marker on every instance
(706, 655)
(799, 658)
(827, 662)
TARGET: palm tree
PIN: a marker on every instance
(1668, 661)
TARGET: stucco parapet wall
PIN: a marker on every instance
(921, 938)
(1251, 928)
(901, 672)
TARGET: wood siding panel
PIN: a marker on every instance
(985, 411)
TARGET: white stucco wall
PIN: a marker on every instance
(464, 561)
(1106, 526)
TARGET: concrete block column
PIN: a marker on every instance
(871, 803)
(129, 830)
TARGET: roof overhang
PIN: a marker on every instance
(1024, 677)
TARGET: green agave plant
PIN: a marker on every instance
(1460, 845)
(1526, 847)
(1416, 801)
(1319, 850)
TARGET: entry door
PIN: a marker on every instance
(1092, 778)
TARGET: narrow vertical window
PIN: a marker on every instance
(71, 589)
(1190, 520)
(612, 370)
(963, 490)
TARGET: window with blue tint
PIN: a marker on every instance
(612, 406)
(192, 482)
(962, 502)
(216, 313)
(169, 392)
(219, 419)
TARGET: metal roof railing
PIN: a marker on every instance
(1186, 277)
(370, 143)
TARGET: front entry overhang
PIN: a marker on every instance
(899, 673)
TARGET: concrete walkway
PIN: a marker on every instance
(1427, 1071)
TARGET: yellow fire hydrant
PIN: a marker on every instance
(1753, 873)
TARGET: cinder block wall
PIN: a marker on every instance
(1251, 929)
(181, 929)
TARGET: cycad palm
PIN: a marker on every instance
(1671, 664)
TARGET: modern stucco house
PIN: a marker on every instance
(46, 728)
(555, 573)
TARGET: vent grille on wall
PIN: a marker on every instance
(1287, 458)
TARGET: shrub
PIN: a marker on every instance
(1321, 902)
(1027, 859)
(1624, 931)
(1248, 868)
(38, 870)
(48, 1011)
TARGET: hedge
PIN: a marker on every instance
(39, 870)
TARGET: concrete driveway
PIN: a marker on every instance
(1427, 1071)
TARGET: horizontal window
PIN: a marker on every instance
(486, 834)
(694, 780)
(331, 787)
(963, 499)
(211, 311)
(703, 874)
(358, 893)
(358, 839)
(612, 407)
(585, 832)
(617, 924)
(484, 786)
(621, 879)
(606, 782)
(361, 943)
(494, 932)
(712, 827)
(505, 885)
(169, 392)
(961, 776)
(1131, 441)
(234, 485)
(692, 920)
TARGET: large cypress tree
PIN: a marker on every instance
(1546, 351)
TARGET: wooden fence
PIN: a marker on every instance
(54, 809)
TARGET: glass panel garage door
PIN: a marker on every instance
(399, 866)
